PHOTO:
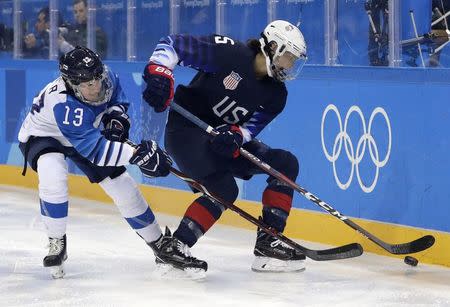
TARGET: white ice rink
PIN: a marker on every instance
(109, 265)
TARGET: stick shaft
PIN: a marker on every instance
(405, 248)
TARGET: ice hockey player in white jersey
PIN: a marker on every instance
(82, 116)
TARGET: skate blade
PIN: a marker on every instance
(271, 265)
(57, 272)
(167, 271)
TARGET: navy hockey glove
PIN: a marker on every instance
(228, 141)
(117, 126)
(152, 160)
(159, 91)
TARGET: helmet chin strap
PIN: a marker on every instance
(269, 67)
(100, 98)
(266, 51)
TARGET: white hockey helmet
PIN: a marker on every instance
(284, 47)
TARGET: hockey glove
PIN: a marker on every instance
(152, 160)
(228, 141)
(117, 126)
(159, 90)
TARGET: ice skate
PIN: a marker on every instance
(56, 256)
(272, 255)
(171, 253)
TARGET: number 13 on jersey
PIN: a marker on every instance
(77, 117)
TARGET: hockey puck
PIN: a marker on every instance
(411, 261)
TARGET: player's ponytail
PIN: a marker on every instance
(254, 45)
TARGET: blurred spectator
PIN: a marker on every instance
(6, 38)
(438, 33)
(77, 33)
(36, 45)
(378, 14)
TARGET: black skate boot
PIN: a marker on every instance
(56, 256)
(170, 250)
(272, 255)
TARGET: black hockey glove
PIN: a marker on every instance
(228, 141)
(159, 90)
(152, 160)
(117, 126)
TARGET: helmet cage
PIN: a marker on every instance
(287, 73)
(105, 89)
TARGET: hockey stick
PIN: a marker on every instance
(398, 249)
(341, 252)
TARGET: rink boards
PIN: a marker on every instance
(373, 143)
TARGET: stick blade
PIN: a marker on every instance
(412, 247)
(342, 252)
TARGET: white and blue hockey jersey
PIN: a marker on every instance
(55, 113)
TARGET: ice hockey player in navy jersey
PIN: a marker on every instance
(66, 121)
(239, 89)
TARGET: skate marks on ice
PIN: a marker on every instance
(168, 272)
(109, 265)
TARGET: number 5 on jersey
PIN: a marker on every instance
(77, 118)
(219, 39)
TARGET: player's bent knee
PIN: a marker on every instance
(286, 163)
(125, 193)
(292, 165)
(231, 194)
(222, 185)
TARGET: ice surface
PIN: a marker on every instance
(109, 265)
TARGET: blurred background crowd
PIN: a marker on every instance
(409, 33)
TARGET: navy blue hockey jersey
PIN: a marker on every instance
(225, 89)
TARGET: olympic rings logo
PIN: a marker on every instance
(355, 157)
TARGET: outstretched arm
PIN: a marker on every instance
(77, 125)
(204, 53)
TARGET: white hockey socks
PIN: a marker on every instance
(126, 195)
(53, 193)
